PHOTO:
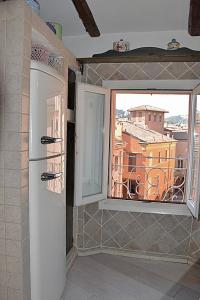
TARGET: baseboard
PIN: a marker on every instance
(136, 254)
(194, 261)
(71, 256)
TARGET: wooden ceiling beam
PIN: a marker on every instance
(87, 18)
(194, 18)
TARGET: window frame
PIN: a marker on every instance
(133, 157)
(193, 204)
(144, 206)
(81, 88)
(140, 206)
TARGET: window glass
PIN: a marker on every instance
(93, 143)
(149, 168)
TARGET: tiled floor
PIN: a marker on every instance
(108, 277)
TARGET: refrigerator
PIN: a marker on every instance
(47, 205)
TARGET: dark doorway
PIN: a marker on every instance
(70, 161)
(70, 184)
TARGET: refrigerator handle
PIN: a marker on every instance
(50, 176)
(50, 140)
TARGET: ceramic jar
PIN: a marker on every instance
(121, 46)
(173, 45)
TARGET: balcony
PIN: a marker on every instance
(150, 178)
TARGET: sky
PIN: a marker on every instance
(175, 104)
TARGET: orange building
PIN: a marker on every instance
(118, 145)
(148, 171)
(143, 162)
(152, 117)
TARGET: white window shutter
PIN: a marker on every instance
(193, 190)
(92, 143)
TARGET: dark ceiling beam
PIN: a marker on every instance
(87, 18)
(194, 18)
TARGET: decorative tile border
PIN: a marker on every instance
(96, 73)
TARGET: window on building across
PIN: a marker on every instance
(132, 162)
(180, 163)
(159, 159)
(166, 155)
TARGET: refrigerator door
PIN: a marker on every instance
(47, 228)
(46, 113)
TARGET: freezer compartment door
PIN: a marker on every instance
(47, 228)
(46, 115)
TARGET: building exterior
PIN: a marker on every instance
(148, 173)
(150, 116)
(148, 164)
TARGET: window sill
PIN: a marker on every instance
(145, 207)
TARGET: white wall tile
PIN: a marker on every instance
(2, 247)
(12, 214)
(14, 265)
(14, 294)
(13, 248)
(2, 230)
(13, 232)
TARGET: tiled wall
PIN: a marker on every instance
(95, 73)
(194, 250)
(15, 32)
(141, 233)
(151, 234)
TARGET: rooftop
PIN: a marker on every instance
(147, 108)
(145, 135)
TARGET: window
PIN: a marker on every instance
(180, 163)
(132, 186)
(116, 163)
(139, 175)
(155, 118)
(159, 160)
(92, 143)
(166, 155)
(193, 190)
(133, 114)
(132, 162)
(160, 118)
(149, 117)
(154, 167)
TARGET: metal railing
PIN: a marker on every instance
(149, 178)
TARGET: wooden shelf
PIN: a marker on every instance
(146, 54)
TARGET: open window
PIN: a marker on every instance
(92, 143)
(155, 169)
(193, 183)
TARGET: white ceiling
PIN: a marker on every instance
(118, 16)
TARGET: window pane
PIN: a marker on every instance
(93, 143)
(153, 148)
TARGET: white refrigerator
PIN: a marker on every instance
(46, 184)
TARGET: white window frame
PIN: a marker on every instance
(136, 206)
(193, 204)
(80, 92)
(141, 206)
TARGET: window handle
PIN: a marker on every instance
(50, 140)
(50, 176)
